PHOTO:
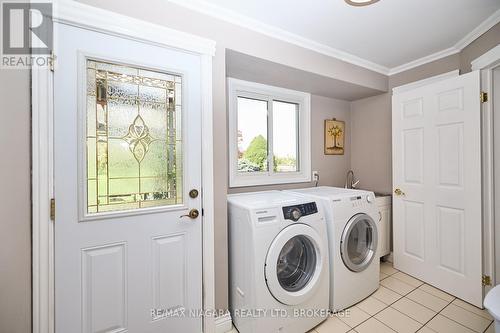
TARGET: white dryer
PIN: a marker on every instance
(278, 262)
(353, 234)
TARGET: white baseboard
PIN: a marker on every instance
(224, 323)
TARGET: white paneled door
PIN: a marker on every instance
(437, 185)
(127, 150)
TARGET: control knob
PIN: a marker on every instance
(296, 214)
(369, 198)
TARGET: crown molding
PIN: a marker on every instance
(246, 22)
(458, 47)
(479, 30)
(230, 16)
(424, 82)
(424, 60)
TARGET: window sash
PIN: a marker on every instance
(297, 135)
(244, 89)
(270, 131)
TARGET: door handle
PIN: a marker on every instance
(398, 192)
(193, 213)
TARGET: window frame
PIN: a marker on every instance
(246, 89)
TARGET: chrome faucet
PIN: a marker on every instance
(350, 182)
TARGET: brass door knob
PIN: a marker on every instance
(398, 192)
(193, 213)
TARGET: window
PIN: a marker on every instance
(133, 150)
(269, 135)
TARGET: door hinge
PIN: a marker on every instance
(486, 280)
(52, 61)
(53, 209)
(483, 97)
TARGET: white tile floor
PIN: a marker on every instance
(404, 304)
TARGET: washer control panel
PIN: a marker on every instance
(295, 212)
(360, 200)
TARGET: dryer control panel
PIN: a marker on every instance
(295, 212)
(362, 200)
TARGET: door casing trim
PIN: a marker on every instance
(96, 19)
(486, 63)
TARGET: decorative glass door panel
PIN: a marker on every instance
(133, 139)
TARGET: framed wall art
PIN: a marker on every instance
(334, 137)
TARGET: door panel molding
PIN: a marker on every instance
(110, 263)
(444, 204)
(95, 19)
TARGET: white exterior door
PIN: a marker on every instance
(437, 180)
(127, 149)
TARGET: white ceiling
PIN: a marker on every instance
(385, 35)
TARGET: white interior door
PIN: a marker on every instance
(127, 150)
(437, 174)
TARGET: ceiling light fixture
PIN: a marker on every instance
(359, 3)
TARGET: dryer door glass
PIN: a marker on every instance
(359, 242)
(296, 263)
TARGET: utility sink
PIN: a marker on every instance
(378, 194)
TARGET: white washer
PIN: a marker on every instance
(278, 262)
(353, 236)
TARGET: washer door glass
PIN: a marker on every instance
(296, 263)
(359, 242)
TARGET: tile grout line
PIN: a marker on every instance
(404, 296)
(463, 308)
(422, 325)
(390, 306)
(387, 306)
(440, 311)
(457, 321)
(437, 313)
(493, 323)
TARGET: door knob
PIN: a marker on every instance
(398, 192)
(193, 213)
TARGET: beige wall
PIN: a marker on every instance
(220, 177)
(437, 67)
(377, 175)
(480, 46)
(371, 143)
(332, 169)
(15, 226)
(15, 233)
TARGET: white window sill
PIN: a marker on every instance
(242, 180)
